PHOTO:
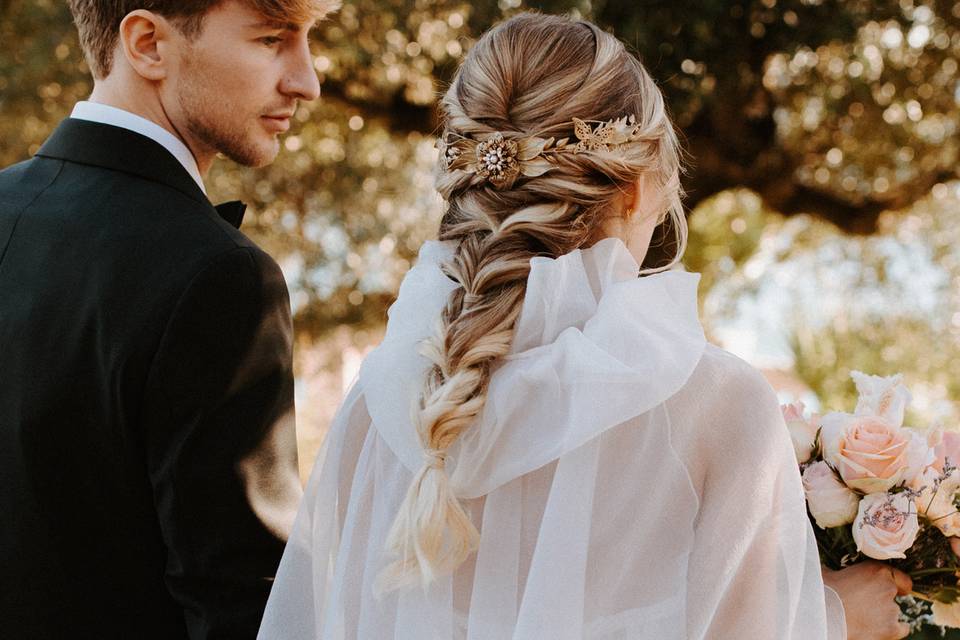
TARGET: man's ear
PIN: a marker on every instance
(142, 34)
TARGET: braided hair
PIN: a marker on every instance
(530, 75)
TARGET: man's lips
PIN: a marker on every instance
(280, 121)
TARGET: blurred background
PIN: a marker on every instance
(823, 192)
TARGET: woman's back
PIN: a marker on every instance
(670, 509)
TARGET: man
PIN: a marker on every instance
(147, 452)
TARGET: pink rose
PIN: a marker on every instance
(869, 452)
(831, 503)
(803, 431)
(886, 525)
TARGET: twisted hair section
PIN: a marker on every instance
(529, 76)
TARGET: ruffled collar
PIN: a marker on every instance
(594, 346)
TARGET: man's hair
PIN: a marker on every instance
(98, 21)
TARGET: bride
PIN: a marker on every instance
(544, 445)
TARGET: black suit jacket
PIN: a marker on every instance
(147, 449)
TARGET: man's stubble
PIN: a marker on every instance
(209, 120)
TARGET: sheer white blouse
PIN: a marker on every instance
(629, 480)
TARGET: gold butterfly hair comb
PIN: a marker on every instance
(501, 161)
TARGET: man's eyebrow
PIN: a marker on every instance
(273, 24)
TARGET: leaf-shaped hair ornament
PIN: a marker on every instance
(500, 160)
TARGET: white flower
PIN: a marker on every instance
(832, 428)
(831, 502)
(803, 431)
(886, 398)
(935, 435)
(886, 525)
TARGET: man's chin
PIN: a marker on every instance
(265, 159)
(258, 154)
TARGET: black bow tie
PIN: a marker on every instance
(232, 212)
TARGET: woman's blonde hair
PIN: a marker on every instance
(528, 76)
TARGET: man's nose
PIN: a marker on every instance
(301, 79)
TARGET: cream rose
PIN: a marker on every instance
(948, 448)
(803, 431)
(831, 503)
(886, 525)
(946, 615)
(869, 452)
(936, 499)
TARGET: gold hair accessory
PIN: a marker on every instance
(501, 161)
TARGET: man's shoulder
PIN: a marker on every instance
(121, 203)
(14, 173)
(123, 219)
(244, 264)
(22, 182)
(192, 239)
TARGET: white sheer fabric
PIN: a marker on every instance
(629, 480)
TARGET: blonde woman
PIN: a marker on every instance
(544, 446)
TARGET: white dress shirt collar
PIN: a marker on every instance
(105, 114)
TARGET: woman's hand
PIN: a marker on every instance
(867, 590)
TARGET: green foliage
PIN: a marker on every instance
(930, 632)
(947, 594)
(42, 74)
(725, 231)
(837, 547)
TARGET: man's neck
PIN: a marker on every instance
(153, 111)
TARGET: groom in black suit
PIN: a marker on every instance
(148, 471)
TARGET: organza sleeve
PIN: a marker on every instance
(754, 569)
(299, 591)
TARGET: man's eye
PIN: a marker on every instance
(271, 40)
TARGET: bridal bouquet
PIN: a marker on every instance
(878, 489)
